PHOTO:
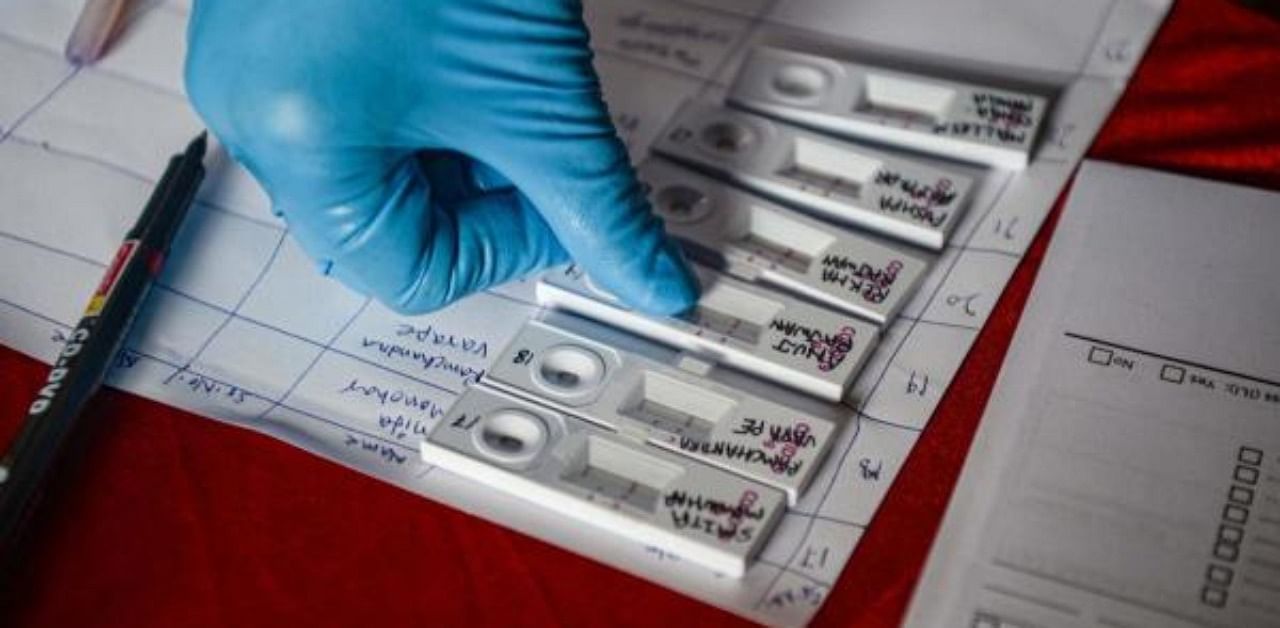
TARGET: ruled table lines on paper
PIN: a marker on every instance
(242, 329)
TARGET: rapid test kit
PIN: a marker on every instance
(813, 204)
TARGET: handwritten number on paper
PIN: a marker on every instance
(918, 384)
(870, 469)
(1059, 134)
(815, 557)
(1118, 51)
(465, 422)
(966, 302)
(1004, 227)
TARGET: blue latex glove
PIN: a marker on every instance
(421, 150)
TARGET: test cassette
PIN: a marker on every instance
(967, 121)
(846, 182)
(765, 333)
(605, 479)
(644, 390)
(754, 239)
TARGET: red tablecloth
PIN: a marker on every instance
(175, 520)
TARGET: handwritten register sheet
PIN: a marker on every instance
(243, 330)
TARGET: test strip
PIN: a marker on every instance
(760, 241)
(765, 333)
(962, 120)
(648, 395)
(604, 479)
(846, 182)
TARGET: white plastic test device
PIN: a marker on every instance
(603, 478)
(961, 120)
(662, 397)
(769, 334)
(760, 241)
(849, 183)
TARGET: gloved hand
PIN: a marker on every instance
(421, 150)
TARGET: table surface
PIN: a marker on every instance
(169, 519)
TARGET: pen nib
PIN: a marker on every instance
(197, 146)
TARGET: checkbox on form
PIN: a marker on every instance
(1173, 374)
(1100, 355)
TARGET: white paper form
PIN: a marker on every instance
(234, 333)
(1127, 471)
